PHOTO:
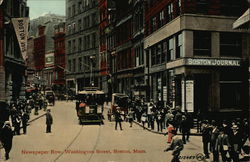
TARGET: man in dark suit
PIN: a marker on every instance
(6, 136)
(222, 144)
(49, 121)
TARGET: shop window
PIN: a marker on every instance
(202, 43)
(230, 94)
(179, 46)
(230, 44)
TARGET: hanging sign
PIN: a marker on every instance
(21, 28)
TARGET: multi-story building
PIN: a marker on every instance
(82, 33)
(122, 55)
(12, 63)
(44, 50)
(106, 10)
(197, 61)
(59, 51)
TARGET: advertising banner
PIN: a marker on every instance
(21, 26)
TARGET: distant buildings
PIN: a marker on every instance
(82, 44)
(45, 51)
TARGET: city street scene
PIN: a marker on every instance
(124, 80)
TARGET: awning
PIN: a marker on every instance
(245, 18)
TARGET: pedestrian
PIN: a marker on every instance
(206, 137)
(222, 145)
(49, 121)
(144, 119)
(17, 123)
(177, 146)
(235, 142)
(118, 118)
(214, 136)
(6, 136)
(170, 132)
(185, 129)
(130, 117)
(25, 119)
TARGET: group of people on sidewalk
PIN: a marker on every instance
(226, 139)
(17, 115)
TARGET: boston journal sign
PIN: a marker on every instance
(212, 62)
(204, 62)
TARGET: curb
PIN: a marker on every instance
(156, 132)
(36, 118)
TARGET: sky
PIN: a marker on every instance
(42, 7)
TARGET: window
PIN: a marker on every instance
(170, 52)
(69, 47)
(87, 42)
(202, 6)
(154, 24)
(202, 43)
(179, 46)
(164, 51)
(178, 9)
(73, 10)
(79, 7)
(79, 24)
(74, 45)
(170, 11)
(74, 27)
(230, 44)
(80, 64)
(93, 40)
(231, 90)
(93, 19)
(79, 44)
(69, 12)
(162, 18)
(74, 65)
(69, 65)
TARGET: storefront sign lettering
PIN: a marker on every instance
(213, 62)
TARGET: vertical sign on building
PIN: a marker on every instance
(187, 95)
(21, 28)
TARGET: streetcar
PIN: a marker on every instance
(89, 106)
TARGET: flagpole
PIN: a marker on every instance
(2, 71)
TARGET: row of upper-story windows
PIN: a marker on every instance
(82, 23)
(79, 7)
(81, 64)
(175, 8)
(82, 43)
(230, 45)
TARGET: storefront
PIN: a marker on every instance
(208, 85)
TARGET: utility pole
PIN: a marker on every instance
(2, 71)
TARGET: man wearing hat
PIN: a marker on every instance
(49, 121)
(6, 137)
(235, 141)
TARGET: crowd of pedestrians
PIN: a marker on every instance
(16, 117)
(226, 139)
